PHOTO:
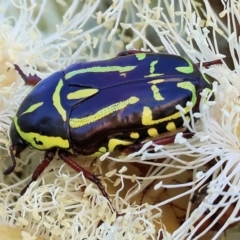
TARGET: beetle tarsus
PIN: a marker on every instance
(29, 80)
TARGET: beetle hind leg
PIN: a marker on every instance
(159, 141)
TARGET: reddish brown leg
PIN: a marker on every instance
(130, 52)
(29, 80)
(210, 63)
(48, 157)
(170, 139)
(11, 168)
(160, 141)
(66, 157)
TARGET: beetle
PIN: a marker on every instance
(97, 107)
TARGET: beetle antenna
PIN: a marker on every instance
(11, 168)
(29, 80)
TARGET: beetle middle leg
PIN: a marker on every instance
(67, 158)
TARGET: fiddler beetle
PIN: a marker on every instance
(97, 107)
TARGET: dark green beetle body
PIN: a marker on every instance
(101, 106)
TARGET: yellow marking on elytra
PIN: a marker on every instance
(102, 149)
(47, 142)
(154, 75)
(134, 135)
(208, 91)
(147, 118)
(156, 81)
(152, 70)
(56, 98)
(83, 93)
(96, 154)
(156, 94)
(189, 86)
(152, 66)
(171, 126)
(33, 108)
(100, 69)
(205, 78)
(152, 132)
(113, 143)
(100, 152)
(141, 56)
(79, 122)
(187, 70)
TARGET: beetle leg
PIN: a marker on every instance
(170, 139)
(130, 52)
(66, 157)
(210, 63)
(11, 168)
(49, 156)
(160, 141)
(29, 80)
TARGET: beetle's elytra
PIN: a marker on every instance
(98, 107)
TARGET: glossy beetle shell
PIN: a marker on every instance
(106, 105)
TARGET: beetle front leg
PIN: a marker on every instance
(29, 80)
(48, 157)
